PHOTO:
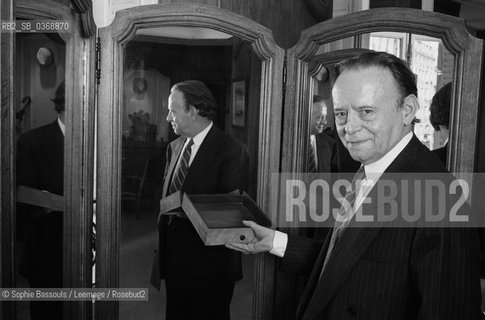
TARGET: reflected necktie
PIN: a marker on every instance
(182, 169)
(344, 212)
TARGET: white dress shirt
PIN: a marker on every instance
(373, 172)
(198, 139)
(62, 126)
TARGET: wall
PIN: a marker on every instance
(286, 18)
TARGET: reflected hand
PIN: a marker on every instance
(262, 241)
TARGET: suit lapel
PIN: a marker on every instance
(176, 146)
(347, 252)
(353, 243)
(208, 150)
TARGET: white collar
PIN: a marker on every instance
(62, 126)
(199, 138)
(375, 169)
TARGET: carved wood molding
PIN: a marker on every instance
(42, 9)
(45, 9)
(317, 62)
(128, 21)
(85, 9)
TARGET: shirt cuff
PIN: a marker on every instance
(280, 242)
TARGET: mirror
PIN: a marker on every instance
(40, 129)
(434, 53)
(153, 61)
(307, 74)
(250, 59)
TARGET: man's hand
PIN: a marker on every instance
(262, 241)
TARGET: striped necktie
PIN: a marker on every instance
(344, 212)
(182, 169)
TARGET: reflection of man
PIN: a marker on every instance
(380, 273)
(203, 160)
(40, 165)
(323, 148)
(440, 118)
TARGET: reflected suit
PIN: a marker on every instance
(40, 165)
(200, 279)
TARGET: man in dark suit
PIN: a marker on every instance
(323, 147)
(380, 272)
(199, 279)
(40, 165)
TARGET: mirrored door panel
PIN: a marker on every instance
(150, 49)
(439, 52)
(40, 127)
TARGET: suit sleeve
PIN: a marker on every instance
(235, 170)
(26, 164)
(445, 270)
(301, 255)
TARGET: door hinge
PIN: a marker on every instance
(98, 60)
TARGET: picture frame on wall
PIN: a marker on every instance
(238, 110)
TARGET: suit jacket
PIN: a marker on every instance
(40, 165)
(327, 153)
(442, 153)
(391, 273)
(221, 165)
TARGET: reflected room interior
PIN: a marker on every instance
(40, 66)
(153, 61)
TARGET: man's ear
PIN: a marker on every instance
(193, 111)
(410, 107)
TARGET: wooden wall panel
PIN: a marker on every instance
(285, 18)
(416, 4)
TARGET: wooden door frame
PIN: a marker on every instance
(113, 39)
(7, 172)
(78, 151)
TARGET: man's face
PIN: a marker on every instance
(178, 115)
(318, 117)
(366, 114)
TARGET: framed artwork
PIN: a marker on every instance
(238, 110)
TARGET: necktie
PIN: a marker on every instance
(312, 159)
(182, 169)
(344, 212)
